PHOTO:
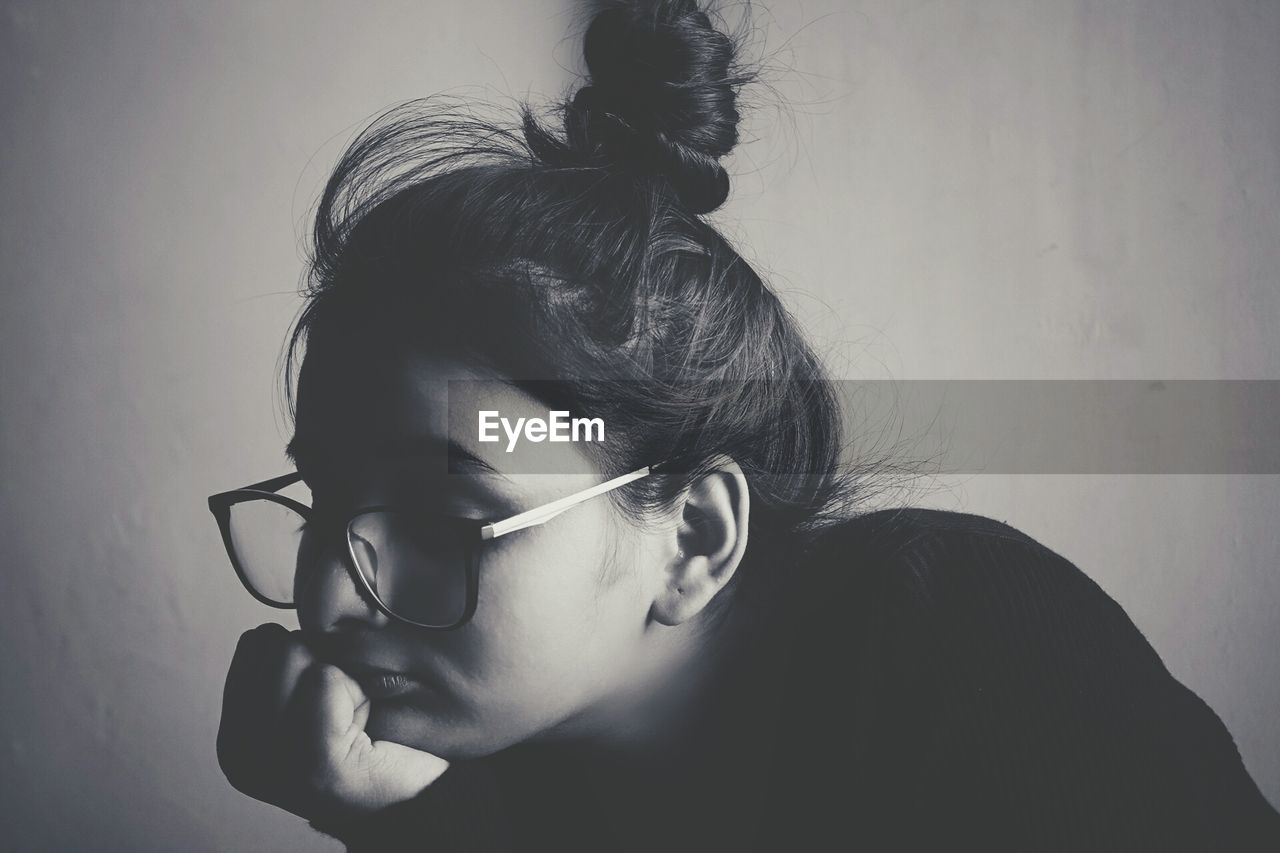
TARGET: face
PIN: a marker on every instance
(562, 617)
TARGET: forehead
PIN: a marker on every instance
(384, 403)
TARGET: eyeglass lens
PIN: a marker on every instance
(266, 536)
(416, 566)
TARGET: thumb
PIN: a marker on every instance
(331, 708)
(402, 772)
(331, 712)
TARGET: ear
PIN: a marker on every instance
(708, 542)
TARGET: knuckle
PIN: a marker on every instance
(296, 653)
(329, 676)
(256, 633)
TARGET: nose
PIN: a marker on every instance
(328, 592)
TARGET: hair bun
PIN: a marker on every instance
(661, 97)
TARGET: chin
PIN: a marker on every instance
(427, 730)
(408, 724)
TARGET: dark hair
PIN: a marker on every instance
(582, 256)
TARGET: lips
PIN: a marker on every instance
(382, 684)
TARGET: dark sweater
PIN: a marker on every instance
(929, 680)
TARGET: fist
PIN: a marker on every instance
(292, 734)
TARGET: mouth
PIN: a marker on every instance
(383, 684)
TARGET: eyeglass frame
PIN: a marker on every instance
(472, 531)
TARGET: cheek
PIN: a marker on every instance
(544, 596)
(557, 611)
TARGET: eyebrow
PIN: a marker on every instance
(299, 450)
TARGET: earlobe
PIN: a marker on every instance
(710, 541)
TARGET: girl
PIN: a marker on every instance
(684, 636)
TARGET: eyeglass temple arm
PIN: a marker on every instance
(276, 483)
(223, 500)
(546, 512)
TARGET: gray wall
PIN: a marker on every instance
(977, 189)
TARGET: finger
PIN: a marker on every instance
(359, 701)
(359, 772)
(330, 713)
(241, 730)
(321, 719)
(266, 665)
(289, 665)
(249, 675)
(327, 715)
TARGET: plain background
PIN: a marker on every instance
(1049, 189)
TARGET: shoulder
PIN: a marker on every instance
(995, 657)
(907, 529)
(984, 616)
(976, 596)
(942, 555)
(987, 676)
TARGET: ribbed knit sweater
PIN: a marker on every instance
(929, 680)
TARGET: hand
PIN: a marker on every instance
(292, 734)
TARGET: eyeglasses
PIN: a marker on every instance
(418, 567)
